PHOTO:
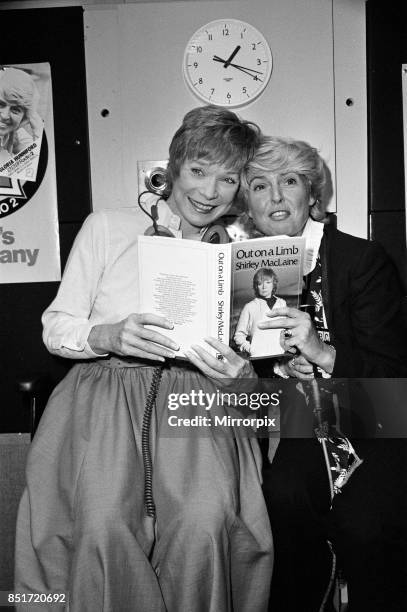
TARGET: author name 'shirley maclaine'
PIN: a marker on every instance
(206, 400)
(266, 258)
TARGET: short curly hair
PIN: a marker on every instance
(212, 134)
(18, 87)
(282, 155)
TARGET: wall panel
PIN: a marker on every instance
(54, 36)
(134, 70)
(387, 51)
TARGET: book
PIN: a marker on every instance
(220, 290)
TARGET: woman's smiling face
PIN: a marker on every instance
(203, 192)
(11, 115)
(279, 203)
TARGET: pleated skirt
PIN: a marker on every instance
(83, 527)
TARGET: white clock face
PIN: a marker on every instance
(227, 62)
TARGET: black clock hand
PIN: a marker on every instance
(216, 58)
(246, 71)
(238, 67)
(227, 63)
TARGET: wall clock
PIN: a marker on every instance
(227, 62)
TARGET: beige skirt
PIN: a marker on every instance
(83, 527)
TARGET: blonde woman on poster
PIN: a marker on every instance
(20, 122)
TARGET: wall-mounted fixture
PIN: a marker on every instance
(152, 176)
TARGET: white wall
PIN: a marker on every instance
(142, 62)
(350, 121)
(134, 55)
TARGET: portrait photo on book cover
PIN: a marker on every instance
(261, 285)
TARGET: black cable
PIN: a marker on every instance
(153, 216)
(145, 441)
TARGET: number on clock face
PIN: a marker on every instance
(227, 63)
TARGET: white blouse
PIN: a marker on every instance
(100, 281)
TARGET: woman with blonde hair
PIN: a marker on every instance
(18, 111)
(353, 328)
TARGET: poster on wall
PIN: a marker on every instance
(29, 237)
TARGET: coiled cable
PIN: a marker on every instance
(145, 441)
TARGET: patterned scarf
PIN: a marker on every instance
(341, 455)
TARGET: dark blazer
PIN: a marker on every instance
(362, 298)
(366, 523)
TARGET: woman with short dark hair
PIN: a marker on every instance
(118, 523)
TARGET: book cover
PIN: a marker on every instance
(266, 274)
(209, 289)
